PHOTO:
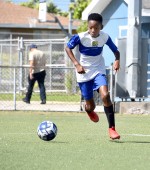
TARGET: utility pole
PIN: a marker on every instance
(133, 53)
(70, 19)
(70, 23)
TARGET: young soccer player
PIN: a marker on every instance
(90, 68)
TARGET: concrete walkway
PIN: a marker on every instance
(49, 106)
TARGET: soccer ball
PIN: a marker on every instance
(47, 130)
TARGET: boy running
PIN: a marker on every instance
(90, 68)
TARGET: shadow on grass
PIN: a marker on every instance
(56, 142)
(60, 142)
(117, 141)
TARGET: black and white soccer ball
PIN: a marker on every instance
(47, 130)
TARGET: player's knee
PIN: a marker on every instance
(106, 98)
(89, 108)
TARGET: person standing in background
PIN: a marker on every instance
(37, 61)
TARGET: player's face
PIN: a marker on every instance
(94, 27)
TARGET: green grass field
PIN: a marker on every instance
(62, 97)
(79, 145)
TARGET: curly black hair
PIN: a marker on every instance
(95, 17)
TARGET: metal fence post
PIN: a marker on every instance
(1, 50)
(20, 47)
(14, 91)
(50, 61)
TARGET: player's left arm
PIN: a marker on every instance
(116, 65)
(114, 49)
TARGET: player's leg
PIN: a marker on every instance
(108, 108)
(87, 92)
(89, 108)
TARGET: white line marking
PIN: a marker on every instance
(83, 134)
(136, 135)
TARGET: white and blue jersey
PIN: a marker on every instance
(89, 53)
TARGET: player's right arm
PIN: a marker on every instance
(73, 42)
(79, 68)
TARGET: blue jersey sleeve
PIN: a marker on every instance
(74, 41)
(111, 45)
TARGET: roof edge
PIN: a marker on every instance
(95, 6)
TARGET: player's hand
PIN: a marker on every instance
(116, 65)
(80, 69)
(31, 76)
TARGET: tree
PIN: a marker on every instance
(51, 8)
(77, 8)
(31, 4)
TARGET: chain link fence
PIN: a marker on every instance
(62, 91)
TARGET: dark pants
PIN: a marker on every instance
(39, 77)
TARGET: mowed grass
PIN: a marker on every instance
(60, 97)
(79, 145)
